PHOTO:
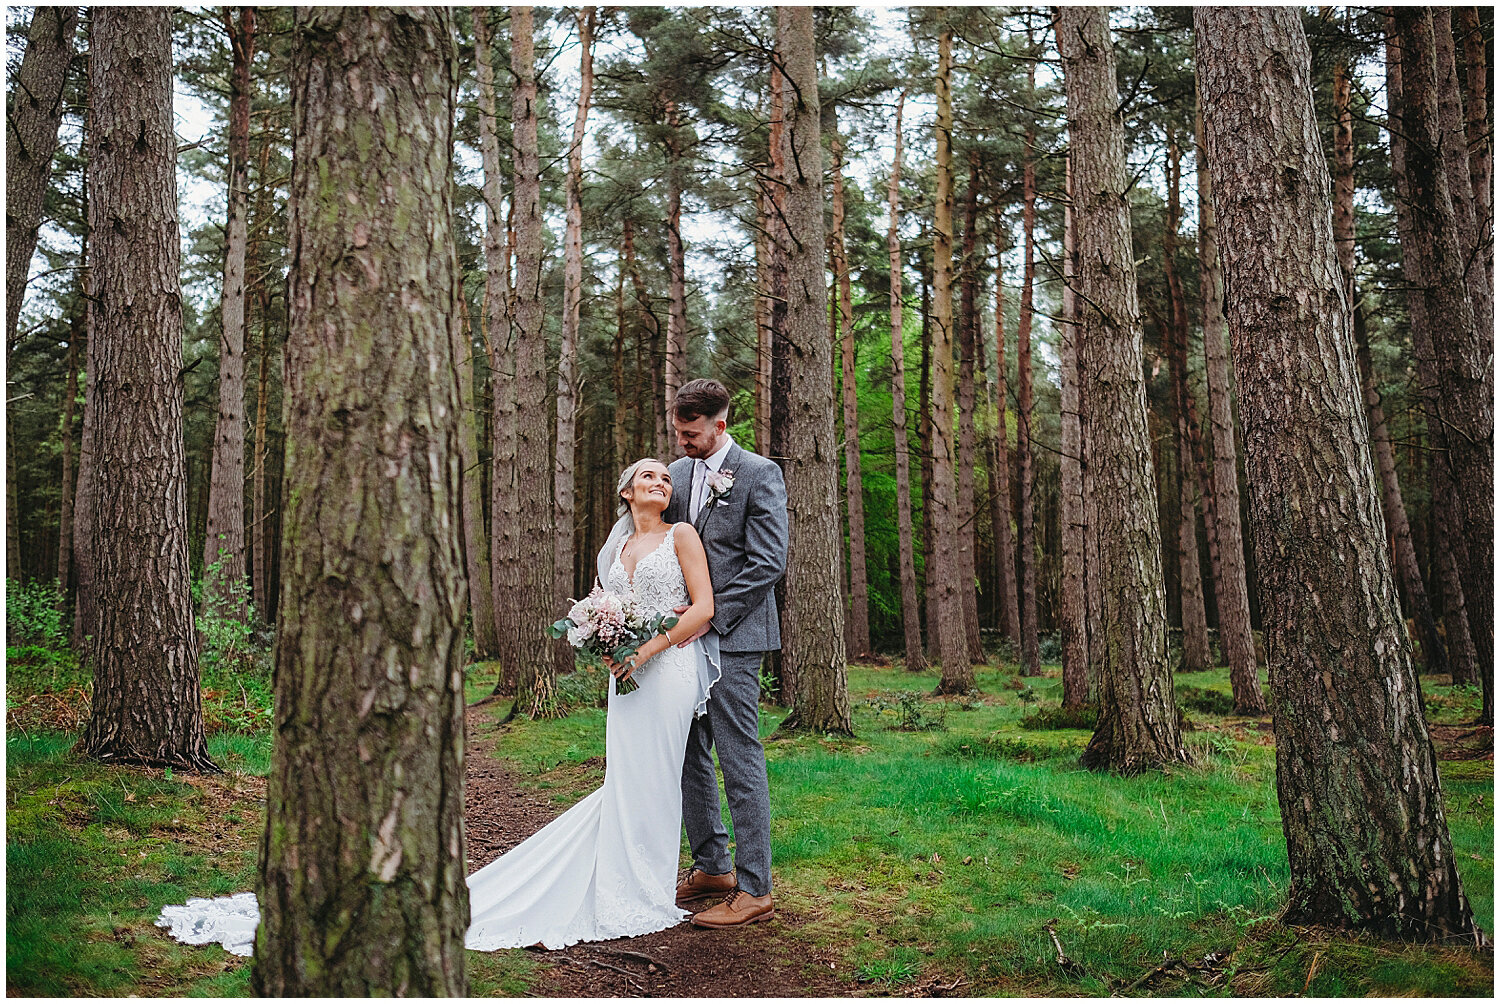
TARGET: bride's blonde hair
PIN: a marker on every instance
(627, 478)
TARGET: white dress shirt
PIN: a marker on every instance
(701, 469)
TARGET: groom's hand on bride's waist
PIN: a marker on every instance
(679, 611)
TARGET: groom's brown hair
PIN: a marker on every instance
(701, 399)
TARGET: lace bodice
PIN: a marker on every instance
(658, 585)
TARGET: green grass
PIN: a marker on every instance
(935, 845)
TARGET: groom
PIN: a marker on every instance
(737, 501)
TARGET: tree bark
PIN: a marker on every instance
(260, 586)
(31, 123)
(1232, 593)
(564, 492)
(911, 623)
(1460, 396)
(968, 338)
(362, 889)
(1005, 545)
(1456, 161)
(536, 681)
(1479, 139)
(1357, 780)
(224, 538)
(77, 329)
(1195, 652)
(505, 560)
(475, 541)
(924, 450)
(1392, 506)
(1072, 623)
(943, 568)
(814, 649)
(857, 626)
(146, 707)
(763, 346)
(1031, 660)
(1137, 726)
(675, 363)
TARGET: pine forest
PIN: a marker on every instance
(1127, 375)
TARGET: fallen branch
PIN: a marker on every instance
(1063, 962)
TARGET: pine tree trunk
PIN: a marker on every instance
(911, 622)
(85, 609)
(1456, 161)
(857, 626)
(968, 338)
(260, 588)
(77, 330)
(675, 362)
(1031, 660)
(943, 569)
(1005, 544)
(924, 450)
(618, 446)
(1137, 712)
(475, 541)
(1479, 139)
(783, 669)
(362, 888)
(224, 538)
(564, 492)
(1232, 593)
(814, 648)
(31, 123)
(1195, 652)
(147, 706)
(505, 560)
(1392, 506)
(762, 320)
(1460, 396)
(536, 680)
(1357, 780)
(1072, 624)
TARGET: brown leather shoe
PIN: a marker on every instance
(700, 887)
(739, 907)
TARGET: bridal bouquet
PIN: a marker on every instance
(607, 624)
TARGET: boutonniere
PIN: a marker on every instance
(719, 484)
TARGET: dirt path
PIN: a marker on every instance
(684, 961)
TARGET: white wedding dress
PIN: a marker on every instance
(607, 867)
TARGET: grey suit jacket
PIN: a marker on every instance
(744, 535)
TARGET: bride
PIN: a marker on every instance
(606, 868)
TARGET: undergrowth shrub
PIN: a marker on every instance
(33, 614)
(909, 712)
(1209, 702)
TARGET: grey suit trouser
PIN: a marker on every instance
(732, 726)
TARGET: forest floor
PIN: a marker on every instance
(952, 847)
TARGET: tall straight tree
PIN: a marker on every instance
(1137, 712)
(815, 645)
(505, 505)
(1232, 592)
(1071, 619)
(1031, 660)
(1477, 130)
(911, 624)
(968, 339)
(224, 538)
(1195, 653)
(147, 707)
(1457, 163)
(1005, 543)
(362, 889)
(1450, 546)
(564, 491)
(476, 544)
(536, 679)
(943, 569)
(31, 122)
(1460, 349)
(1393, 507)
(1357, 780)
(857, 626)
